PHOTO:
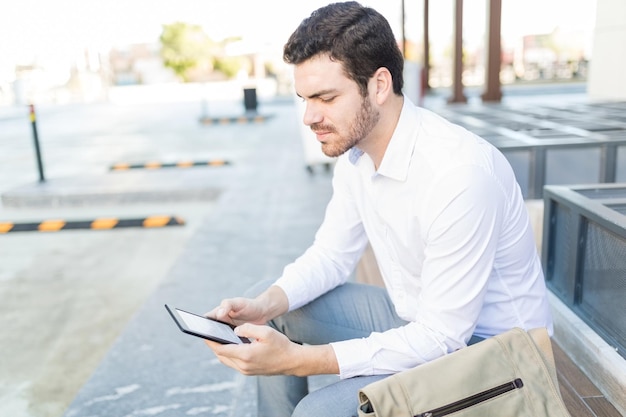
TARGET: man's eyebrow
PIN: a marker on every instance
(320, 93)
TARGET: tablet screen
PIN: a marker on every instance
(208, 327)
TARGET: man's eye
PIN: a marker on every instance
(327, 99)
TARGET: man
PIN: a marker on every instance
(439, 206)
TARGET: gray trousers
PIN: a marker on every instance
(347, 312)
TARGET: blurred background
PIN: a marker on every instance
(85, 51)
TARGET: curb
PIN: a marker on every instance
(121, 166)
(234, 120)
(103, 223)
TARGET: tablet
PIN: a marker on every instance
(205, 327)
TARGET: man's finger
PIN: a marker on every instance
(253, 331)
(213, 345)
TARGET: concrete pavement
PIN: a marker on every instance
(265, 217)
(109, 348)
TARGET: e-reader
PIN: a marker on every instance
(205, 327)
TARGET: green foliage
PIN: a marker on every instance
(229, 66)
(185, 47)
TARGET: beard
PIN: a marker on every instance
(360, 127)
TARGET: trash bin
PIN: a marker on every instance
(249, 99)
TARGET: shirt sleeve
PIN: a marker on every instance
(337, 248)
(461, 228)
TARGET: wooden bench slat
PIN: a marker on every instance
(572, 373)
(575, 405)
(602, 407)
(581, 397)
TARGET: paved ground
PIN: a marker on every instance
(84, 328)
(82, 311)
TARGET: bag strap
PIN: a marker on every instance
(542, 340)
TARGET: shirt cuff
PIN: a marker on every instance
(294, 292)
(353, 357)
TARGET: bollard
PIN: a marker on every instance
(249, 100)
(33, 121)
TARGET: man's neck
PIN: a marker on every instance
(376, 144)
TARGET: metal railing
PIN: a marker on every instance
(538, 130)
(584, 255)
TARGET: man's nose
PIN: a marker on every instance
(312, 114)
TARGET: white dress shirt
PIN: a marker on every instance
(448, 226)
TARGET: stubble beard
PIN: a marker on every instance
(362, 125)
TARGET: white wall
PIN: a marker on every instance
(607, 76)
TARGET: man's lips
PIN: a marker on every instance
(321, 133)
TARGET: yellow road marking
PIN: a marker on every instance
(51, 225)
(104, 223)
(156, 221)
(121, 166)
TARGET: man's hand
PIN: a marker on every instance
(271, 303)
(238, 311)
(272, 353)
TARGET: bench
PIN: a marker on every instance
(582, 398)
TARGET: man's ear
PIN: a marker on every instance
(384, 84)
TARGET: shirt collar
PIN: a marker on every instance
(354, 155)
(397, 158)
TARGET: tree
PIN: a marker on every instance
(185, 47)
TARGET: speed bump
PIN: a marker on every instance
(121, 166)
(102, 223)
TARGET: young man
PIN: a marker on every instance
(440, 207)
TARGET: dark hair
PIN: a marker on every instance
(358, 37)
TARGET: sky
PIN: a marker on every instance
(55, 30)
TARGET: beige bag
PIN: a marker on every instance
(512, 374)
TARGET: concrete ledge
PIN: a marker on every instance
(128, 197)
(596, 358)
(123, 187)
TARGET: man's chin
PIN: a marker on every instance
(331, 151)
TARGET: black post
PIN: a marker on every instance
(33, 121)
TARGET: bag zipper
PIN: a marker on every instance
(473, 400)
